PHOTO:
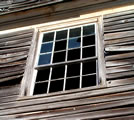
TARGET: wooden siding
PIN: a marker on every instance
(14, 48)
(114, 102)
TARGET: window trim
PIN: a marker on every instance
(60, 25)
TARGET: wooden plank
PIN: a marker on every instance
(130, 117)
(79, 102)
(117, 35)
(120, 62)
(18, 41)
(120, 41)
(19, 62)
(120, 56)
(119, 75)
(122, 21)
(73, 110)
(10, 90)
(117, 18)
(10, 78)
(119, 26)
(11, 55)
(13, 50)
(18, 72)
(118, 14)
(120, 82)
(14, 59)
(11, 69)
(15, 46)
(124, 48)
(120, 69)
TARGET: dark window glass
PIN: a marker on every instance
(46, 47)
(73, 54)
(44, 59)
(56, 86)
(88, 81)
(72, 83)
(61, 34)
(48, 37)
(73, 70)
(88, 30)
(75, 32)
(89, 67)
(43, 75)
(88, 52)
(40, 88)
(59, 57)
(74, 42)
(58, 72)
(88, 40)
(60, 45)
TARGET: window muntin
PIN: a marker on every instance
(67, 60)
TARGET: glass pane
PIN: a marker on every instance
(72, 83)
(89, 67)
(88, 30)
(44, 59)
(48, 37)
(74, 42)
(59, 57)
(89, 40)
(61, 34)
(88, 52)
(43, 75)
(56, 86)
(73, 54)
(40, 88)
(73, 70)
(60, 45)
(75, 32)
(46, 47)
(88, 81)
(58, 72)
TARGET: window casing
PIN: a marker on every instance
(67, 59)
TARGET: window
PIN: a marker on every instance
(67, 60)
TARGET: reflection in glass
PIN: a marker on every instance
(88, 30)
(75, 32)
(48, 37)
(61, 34)
(74, 42)
(44, 59)
(46, 47)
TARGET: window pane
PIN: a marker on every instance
(88, 81)
(74, 42)
(74, 54)
(88, 40)
(61, 34)
(44, 59)
(60, 45)
(43, 75)
(58, 72)
(40, 88)
(88, 30)
(88, 52)
(48, 37)
(56, 86)
(59, 57)
(46, 47)
(72, 83)
(75, 32)
(89, 67)
(73, 70)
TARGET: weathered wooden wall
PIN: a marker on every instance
(114, 102)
